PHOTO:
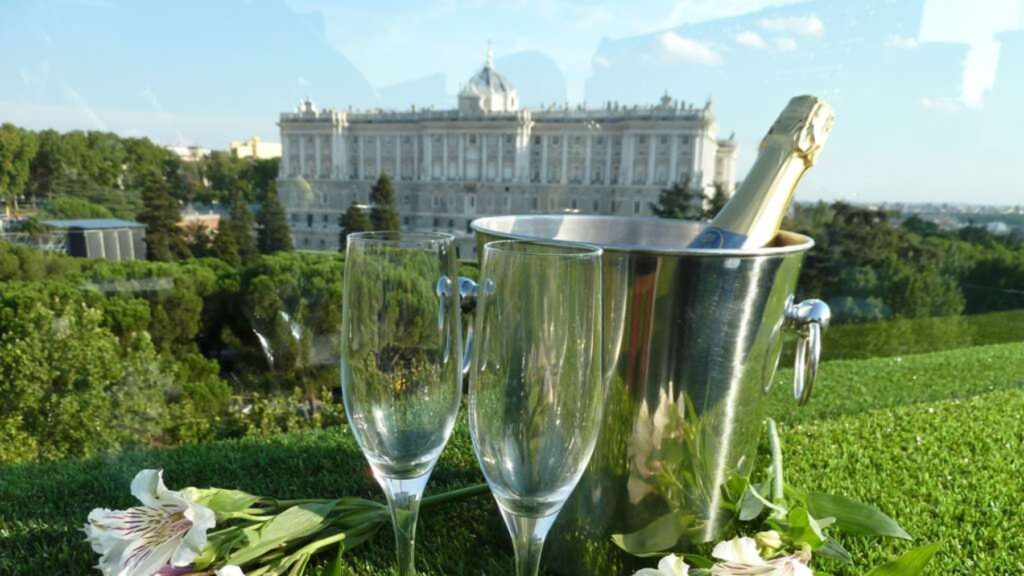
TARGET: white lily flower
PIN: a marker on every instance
(139, 541)
(741, 558)
(230, 570)
(670, 565)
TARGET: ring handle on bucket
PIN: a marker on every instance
(809, 318)
(467, 296)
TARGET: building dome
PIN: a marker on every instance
(488, 91)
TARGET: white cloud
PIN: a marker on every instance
(687, 49)
(804, 25)
(785, 44)
(751, 39)
(905, 42)
(980, 68)
(978, 25)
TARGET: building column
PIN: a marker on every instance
(544, 159)
(626, 165)
(317, 156)
(341, 158)
(673, 164)
(415, 156)
(361, 169)
(398, 157)
(428, 157)
(608, 161)
(444, 156)
(483, 157)
(565, 159)
(462, 157)
(650, 159)
(499, 165)
(586, 159)
(302, 155)
(378, 162)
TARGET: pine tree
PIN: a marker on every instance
(273, 234)
(224, 245)
(383, 213)
(353, 220)
(715, 203)
(678, 202)
(241, 228)
(165, 240)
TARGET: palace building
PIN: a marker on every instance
(488, 157)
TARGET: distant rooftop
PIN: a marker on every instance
(93, 224)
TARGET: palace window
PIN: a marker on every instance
(536, 140)
(663, 140)
(309, 220)
(325, 219)
(641, 140)
(573, 203)
(451, 223)
(636, 206)
(472, 138)
(556, 140)
(533, 203)
(597, 205)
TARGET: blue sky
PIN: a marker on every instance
(927, 92)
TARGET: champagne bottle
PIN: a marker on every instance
(752, 217)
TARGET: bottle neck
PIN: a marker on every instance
(757, 208)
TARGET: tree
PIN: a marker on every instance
(165, 240)
(353, 220)
(678, 202)
(17, 148)
(383, 214)
(224, 245)
(273, 234)
(715, 203)
(197, 236)
(241, 228)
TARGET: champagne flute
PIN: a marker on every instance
(536, 391)
(401, 363)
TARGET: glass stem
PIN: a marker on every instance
(404, 496)
(528, 535)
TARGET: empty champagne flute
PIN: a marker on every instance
(401, 363)
(536, 391)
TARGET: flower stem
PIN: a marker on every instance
(778, 483)
(454, 495)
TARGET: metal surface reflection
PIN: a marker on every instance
(692, 340)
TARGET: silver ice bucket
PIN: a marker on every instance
(692, 341)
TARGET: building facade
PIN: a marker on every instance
(489, 157)
(255, 148)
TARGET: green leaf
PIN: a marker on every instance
(222, 501)
(834, 550)
(334, 568)
(753, 493)
(295, 522)
(855, 518)
(910, 564)
(803, 528)
(751, 505)
(657, 536)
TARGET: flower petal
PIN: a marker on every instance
(790, 566)
(740, 550)
(147, 486)
(230, 570)
(673, 565)
(143, 558)
(741, 569)
(648, 572)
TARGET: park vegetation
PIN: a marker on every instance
(233, 333)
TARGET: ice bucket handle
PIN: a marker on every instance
(808, 319)
(467, 296)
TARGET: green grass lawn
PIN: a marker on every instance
(935, 440)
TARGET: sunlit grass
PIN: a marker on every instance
(935, 440)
